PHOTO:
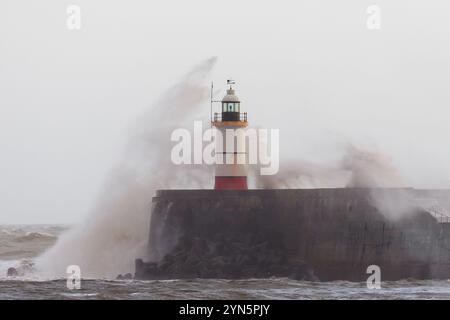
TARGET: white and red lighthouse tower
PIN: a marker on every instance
(231, 169)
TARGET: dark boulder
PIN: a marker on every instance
(127, 276)
(12, 272)
(303, 272)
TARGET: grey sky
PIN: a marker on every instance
(310, 68)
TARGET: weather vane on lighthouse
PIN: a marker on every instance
(230, 170)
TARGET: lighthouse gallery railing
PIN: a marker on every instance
(242, 117)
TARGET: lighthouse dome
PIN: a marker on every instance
(231, 96)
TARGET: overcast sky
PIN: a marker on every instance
(311, 68)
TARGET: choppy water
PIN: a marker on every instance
(20, 244)
(222, 289)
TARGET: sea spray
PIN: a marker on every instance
(359, 168)
(370, 169)
(116, 231)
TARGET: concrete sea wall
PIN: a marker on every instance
(311, 234)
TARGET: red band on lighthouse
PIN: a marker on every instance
(230, 183)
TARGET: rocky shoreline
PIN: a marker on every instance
(225, 258)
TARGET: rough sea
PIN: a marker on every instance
(21, 244)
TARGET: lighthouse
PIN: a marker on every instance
(230, 152)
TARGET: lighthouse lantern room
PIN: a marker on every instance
(230, 170)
